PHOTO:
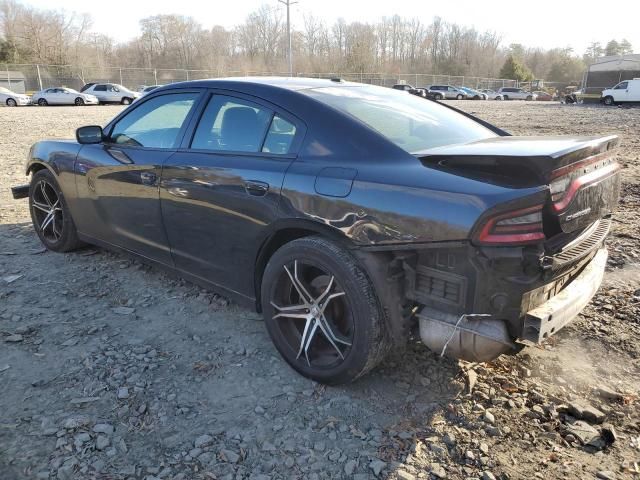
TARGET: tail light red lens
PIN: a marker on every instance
(515, 227)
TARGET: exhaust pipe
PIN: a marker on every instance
(470, 337)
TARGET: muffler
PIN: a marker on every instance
(470, 337)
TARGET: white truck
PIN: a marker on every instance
(625, 91)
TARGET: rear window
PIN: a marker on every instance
(408, 121)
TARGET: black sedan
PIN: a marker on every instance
(345, 213)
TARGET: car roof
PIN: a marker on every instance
(288, 83)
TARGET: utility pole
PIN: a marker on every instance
(288, 3)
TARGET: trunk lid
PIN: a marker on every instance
(581, 172)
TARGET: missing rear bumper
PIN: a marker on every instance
(21, 191)
(551, 316)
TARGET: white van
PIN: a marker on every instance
(626, 91)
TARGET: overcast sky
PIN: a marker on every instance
(544, 24)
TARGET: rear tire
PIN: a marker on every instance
(438, 96)
(11, 102)
(50, 215)
(529, 98)
(505, 97)
(126, 101)
(42, 102)
(328, 280)
(79, 102)
(608, 100)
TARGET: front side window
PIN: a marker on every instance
(622, 86)
(233, 125)
(156, 123)
(406, 120)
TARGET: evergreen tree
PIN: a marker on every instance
(513, 68)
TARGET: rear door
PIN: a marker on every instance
(221, 191)
(118, 180)
(100, 91)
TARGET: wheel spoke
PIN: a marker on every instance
(291, 315)
(329, 298)
(329, 334)
(41, 206)
(326, 291)
(303, 339)
(308, 340)
(297, 284)
(45, 195)
(290, 308)
(49, 218)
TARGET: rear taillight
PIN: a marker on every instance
(515, 227)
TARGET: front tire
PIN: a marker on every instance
(79, 102)
(459, 97)
(50, 215)
(11, 102)
(126, 101)
(608, 100)
(42, 102)
(438, 96)
(321, 311)
(529, 98)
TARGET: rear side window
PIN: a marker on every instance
(233, 125)
(406, 120)
(156, 123)
(279, 137)
(100, 88)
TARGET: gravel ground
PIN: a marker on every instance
(113, 370)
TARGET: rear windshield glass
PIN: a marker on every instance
(411, 122)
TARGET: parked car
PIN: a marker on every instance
(492, 94)
(512, 93)
(543, 96)
(12, 99)
(343, 212)
(626, 91)
(148, 89)
(112, 93)
(474, 94)
(63, 96)
(440, 92)
(420, 92)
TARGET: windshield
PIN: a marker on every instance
(70, 90)
(412, 123)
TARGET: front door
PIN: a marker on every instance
(120, 177)
(221, 191)
(621, 92)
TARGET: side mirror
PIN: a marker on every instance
(89, 135)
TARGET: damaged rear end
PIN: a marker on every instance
(532, 264)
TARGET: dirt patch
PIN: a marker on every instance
(113, 370)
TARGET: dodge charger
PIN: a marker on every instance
(346, 214)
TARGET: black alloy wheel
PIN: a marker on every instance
(79, 102)
(43, 102)
(11, 102)
(49, 213)
(321, 311)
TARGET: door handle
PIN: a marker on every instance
(256, 188)
(148, 178)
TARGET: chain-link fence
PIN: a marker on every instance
(23, 78)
